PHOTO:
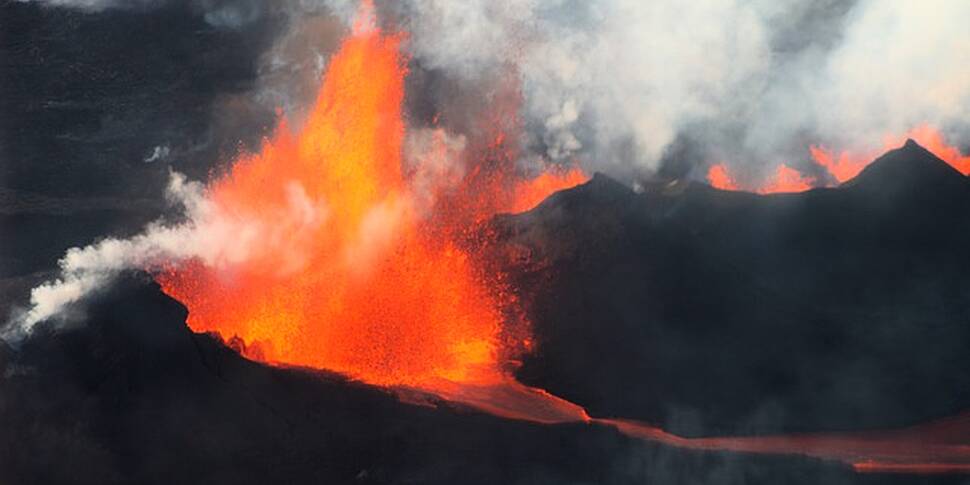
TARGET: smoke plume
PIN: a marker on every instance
(616, 84)
(216, 237)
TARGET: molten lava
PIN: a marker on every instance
(784, 179)
(719, 177)
(846, 164)
(529, 195)
(365, 273)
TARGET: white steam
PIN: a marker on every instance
(902, 63)
(221, 236)
(217, 237)
(616, 82)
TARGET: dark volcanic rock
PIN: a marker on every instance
(6, 354)
(910, 168)
(712, 312)
(130, 395)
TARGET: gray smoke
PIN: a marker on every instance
(619, 85)
(616, 83)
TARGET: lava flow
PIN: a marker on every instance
(366, 270)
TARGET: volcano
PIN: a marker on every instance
(367, 242)
(700, 311)
(713, 312)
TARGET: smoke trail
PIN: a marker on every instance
(209, 233)
(222, 238)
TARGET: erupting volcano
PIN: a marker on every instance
(366, 266)
(400, 273)
(367, 269)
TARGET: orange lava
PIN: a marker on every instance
(847, 164)
(529, 195)
(934, 448)
(719, 177)
(930, 468)
(360, 273)
(843, 165)
(937, 447)
(786, 179)
(349, 265)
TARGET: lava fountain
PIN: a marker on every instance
(846, 164)
(364, 273)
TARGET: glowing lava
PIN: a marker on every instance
(360, 275)
(843, 165)
(719, 177)
(846, 164)
(530, 194)
(933, 448)
(785, 179)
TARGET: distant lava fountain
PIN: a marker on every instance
(843, 165)
(784, 180)
(846, 164)
(365, 271)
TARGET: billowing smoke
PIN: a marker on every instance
(618, 84)
(902, 63)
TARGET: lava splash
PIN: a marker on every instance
(353, 264)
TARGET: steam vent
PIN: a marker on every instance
(484, 242)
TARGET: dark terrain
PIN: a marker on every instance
(711, 312)
(133, 396)
(687, 308)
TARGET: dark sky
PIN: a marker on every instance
(87, 99)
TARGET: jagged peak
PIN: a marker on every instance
(909, 167)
